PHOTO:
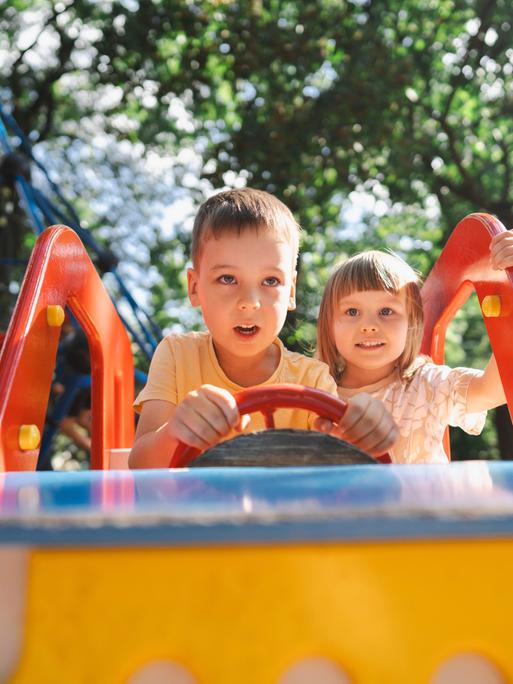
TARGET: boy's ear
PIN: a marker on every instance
(192, 286)
(292, 297)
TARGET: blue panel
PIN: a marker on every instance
(208, 506)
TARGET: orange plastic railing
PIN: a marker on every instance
(464, 266)
(61, 273)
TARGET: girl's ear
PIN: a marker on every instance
(192, 286)
(292, 296)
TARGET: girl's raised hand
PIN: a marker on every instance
(501, 250)
(366, 423)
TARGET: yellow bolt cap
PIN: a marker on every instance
(491, 306)
(29, 437)
(54, 315)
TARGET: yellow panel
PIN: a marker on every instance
(388, 613)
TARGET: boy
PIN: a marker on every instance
(244, 252)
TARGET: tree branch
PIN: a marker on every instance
(51, 18)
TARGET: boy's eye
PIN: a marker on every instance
(352, 311)
(226, 279)
(386, 311)
(271, 281)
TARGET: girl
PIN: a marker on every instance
(370, 332)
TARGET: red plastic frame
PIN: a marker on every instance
(464, 266)
(60, 272)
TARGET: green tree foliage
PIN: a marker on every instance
(408, 102)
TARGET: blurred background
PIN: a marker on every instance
(380, 123)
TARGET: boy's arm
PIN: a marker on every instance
(200, 420)
(366, 423)
(485, 391)
(153, 443)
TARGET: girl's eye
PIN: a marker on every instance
(352, 311)
(271, 281)
(226, 279)
(386, 311)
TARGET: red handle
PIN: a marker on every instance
(266, 400)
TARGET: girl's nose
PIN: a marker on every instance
(369, 326)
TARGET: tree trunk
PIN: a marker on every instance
(13, 227)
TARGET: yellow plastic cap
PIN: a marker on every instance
(29, 437)
(54, 315)
(491, 306)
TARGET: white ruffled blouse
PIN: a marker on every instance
(422, 408)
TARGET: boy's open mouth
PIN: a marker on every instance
(246, 330)
(370, 344)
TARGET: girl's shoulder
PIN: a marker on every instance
(417, 370)
(424, 370)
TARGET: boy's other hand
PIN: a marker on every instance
(501, 250)
(205, 416)
(366, 423)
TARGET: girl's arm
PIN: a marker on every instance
(485, 391)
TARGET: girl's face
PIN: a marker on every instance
(370, 329)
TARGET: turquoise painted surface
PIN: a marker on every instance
(257, 504)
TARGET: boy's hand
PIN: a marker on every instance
(205, 416)
(366, 423)
(501, 250)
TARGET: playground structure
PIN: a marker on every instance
(359, 574)
(60, 274)
(45, 209)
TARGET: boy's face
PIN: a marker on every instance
(244, 285)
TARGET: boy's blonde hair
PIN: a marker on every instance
(234, 211)
(372, 270)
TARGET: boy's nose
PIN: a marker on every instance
(249, 300)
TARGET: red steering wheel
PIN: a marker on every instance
(266, 400)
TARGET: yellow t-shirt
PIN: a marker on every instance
(184, 362)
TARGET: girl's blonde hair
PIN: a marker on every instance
(372, 270)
